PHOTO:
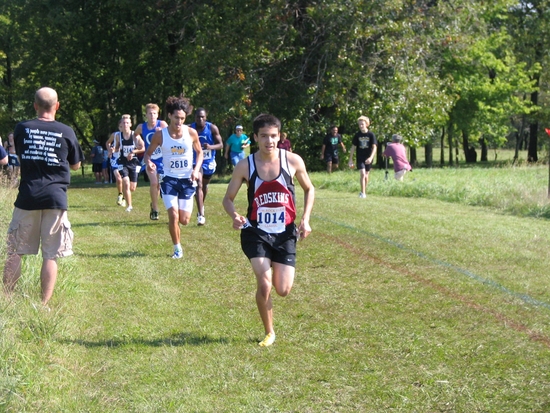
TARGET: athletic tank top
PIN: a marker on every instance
(127, 146)
(147, 135)
(177, 154)
(205, 137)
(271, 204)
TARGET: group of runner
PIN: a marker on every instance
(125, 147)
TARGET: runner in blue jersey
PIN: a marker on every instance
(211, 141)
(147, 130)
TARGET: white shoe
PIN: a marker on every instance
(178, 253)
(362, 195)
(129, 209)
(201, 220)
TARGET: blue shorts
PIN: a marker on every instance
(182, 188)
(158, 163)
(236, 157)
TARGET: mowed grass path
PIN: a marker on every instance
(399, 305)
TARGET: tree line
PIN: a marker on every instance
(447, 74)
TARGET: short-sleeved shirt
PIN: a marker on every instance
(46, 150)
(364, 143)
(331, 144)
(98, 154)
(235, 143)
(284, 145)
(399, 155)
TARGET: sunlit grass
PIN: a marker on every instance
(424, 297)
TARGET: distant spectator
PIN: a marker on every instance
(396, 151)
(97, 162)
(364, 141)
(235, 145)
(329, 150)
(284, 143)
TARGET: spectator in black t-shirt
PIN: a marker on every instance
(329, 150)
(365, 142)
(47, 151)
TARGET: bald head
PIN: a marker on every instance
(45, 98)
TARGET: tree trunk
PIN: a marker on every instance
(450, 135)
(466, 146)
(442, 150)
(412, 158)
(533, 142)
(429, 154)
(534, 126)
(484, 150)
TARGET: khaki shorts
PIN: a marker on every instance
(400, 174)
(49, 228)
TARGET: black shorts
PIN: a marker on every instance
(331, 157)
(97, 167)
(362, 165)
(280, 248)
(130, 172)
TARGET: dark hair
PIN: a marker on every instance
(264, 120)
(201, 110)
(174, 103)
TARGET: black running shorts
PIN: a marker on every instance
(280, 248)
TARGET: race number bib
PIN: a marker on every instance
(206, 153)
(127, 149)
(157, 153)
(271, 220)
(178, 164)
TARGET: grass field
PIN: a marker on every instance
(416, 299)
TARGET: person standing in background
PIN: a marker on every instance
(97, 162)
(48, 150)
(365, 143)
(235, 145)
(396, 150)
(329, 150)
(284, 143)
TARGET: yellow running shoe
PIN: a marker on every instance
(268, 340)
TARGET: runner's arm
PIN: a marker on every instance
(302, 176)
(240, 175)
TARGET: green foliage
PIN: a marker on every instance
(411, 66)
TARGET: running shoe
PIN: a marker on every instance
(123, 204)
(154, 215)
(129, 209)
(119, 200)
(178, 253)
(362, 195)
(268, 340)
(201, 220)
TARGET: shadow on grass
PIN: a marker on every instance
(122, 254)
(174, 340)
(118, 224)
